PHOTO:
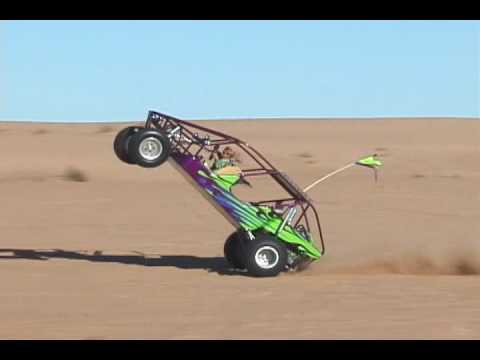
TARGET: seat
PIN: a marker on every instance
(228, 170)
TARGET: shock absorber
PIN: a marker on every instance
(288, 219)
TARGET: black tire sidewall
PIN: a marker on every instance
(234, 250)
(134, 145)
(121, 142)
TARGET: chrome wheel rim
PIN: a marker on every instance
(150, 148)
(267, 257)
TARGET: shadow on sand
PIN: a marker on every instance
(210, 264)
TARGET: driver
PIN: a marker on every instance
(225, 158)
(226, 162)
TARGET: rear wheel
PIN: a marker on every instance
(121, 142)
(233, 250)
(265, 256)
(149, 148)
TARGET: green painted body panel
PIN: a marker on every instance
(254, 218)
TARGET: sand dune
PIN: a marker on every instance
(93, 248)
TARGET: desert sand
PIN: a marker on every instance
(91, 248)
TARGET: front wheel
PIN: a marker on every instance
(149, 148)
(265, 256)
(122, 141)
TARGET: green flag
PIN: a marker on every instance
(370, 161)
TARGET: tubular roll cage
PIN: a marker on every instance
(179, 133)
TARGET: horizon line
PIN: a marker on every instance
(270, 118)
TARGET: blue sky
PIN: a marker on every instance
(118, 70)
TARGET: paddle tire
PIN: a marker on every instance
(121, 142)
(234, 250)
(149, 148)
(265, 256)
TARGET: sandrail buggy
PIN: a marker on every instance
(272, 235)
